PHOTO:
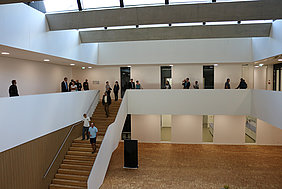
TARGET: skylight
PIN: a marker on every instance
(60, 5)
(93, 4)
(142, 2)
(188, 1)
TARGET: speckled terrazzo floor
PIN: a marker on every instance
(198, 167)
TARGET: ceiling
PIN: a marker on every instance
(39, 57)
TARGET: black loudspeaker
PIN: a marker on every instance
(130, 154)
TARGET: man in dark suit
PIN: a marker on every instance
(64, 85)
(78, 85)
(85, 85)
(106, 101)
(13, 90)
(131, 84)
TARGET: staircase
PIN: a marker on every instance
(75, 168)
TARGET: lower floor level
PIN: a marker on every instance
(198, 166)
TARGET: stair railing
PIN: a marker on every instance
(90, 110)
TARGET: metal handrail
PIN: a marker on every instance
(58, 152)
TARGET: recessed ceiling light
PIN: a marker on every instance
(89, 67)
(280, 60)
(46, 60)
(72, 64)
(5, 53)
(260, 65)
(215, 64)
(171, 65)
(83, 68)
(129, 66)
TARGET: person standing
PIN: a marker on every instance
(196, 85)
(106, 101)
(131, 84)
(73, 87)
(187, 83)
(78, 84)
(86, 124)
(242, 84)
(184, 83)
(64, 85)
(138, 85)
(85, 85)
(93, 133)
(227, 84)
(108, 88)
(116, 89)
(167, 85)
(13, 89)
(71, 84)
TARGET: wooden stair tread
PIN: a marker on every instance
(74, 177)
(76, 167)
(84, 158)
(70, 182)
(78, 162)
(59, 186)
(73, 172)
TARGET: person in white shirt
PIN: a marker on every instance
(73, 87)
(86, 123)
(93, 132)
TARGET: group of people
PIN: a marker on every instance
(73, 85)
(242, 84)
(186, 84)
(90, 130)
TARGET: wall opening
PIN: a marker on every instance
(208, 128)
(250, 129)
(166, 128)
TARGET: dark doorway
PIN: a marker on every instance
(208, 77)
(124, 79)
(165, 75)
(126, 131)
(277, 77)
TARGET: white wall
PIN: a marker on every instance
(100, 74)
(265, 47)
(26, 118)
(229, 129)
(149, 76)
(186, 129)
(267, 106)
(224, 71)
(193, 102)
(146, 128)
(176, 51)
(26, 28)
(32, 77)
(260, 78)
(267, 133)
(180, 72)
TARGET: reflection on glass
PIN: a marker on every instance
(208, 128)
(60, 5)
(142, 2)
(87, 4)
(250, 129)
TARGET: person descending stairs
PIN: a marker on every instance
(77, 164)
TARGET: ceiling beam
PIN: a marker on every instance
(230, 11)
(16, 1)
(176, 32)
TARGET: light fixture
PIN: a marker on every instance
(129, 66)
(171, 65)
(280, 60)
(256, 66)
(83, 68)
(260, 65)
(215, 64)
(46, 60)
(5, 53)
(72, 64)
(89, 67)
